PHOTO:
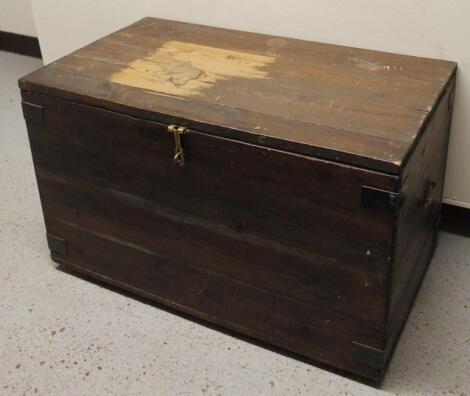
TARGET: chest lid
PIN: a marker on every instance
(355, 106)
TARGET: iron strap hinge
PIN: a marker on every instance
(57, 245)
(33, 114)
(375, 198)
(372, 357)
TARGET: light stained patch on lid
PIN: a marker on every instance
(186, 69)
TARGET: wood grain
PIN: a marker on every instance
(417, 223)
(117, 167)
(355, 106)
(266, 229)
(245, 308)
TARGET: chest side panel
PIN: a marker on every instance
(275, 245)
(422, 186)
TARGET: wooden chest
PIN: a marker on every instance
(287, 190)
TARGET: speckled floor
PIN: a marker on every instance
(60, 335)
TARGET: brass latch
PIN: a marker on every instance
(177, 131)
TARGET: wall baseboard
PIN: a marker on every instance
(455, 219)
(20, 44)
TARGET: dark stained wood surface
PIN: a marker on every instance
(350, 105)
(300, 215)
(314, 241)
(311, 331)
(283, 251)
(417, 221)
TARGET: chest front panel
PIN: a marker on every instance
(284, 227)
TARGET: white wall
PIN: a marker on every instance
(16, 16)
(432, 28)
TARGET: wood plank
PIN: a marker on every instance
(312, 140)
(140, 164)
(319, 334)
(355, 110)
(114, 173)
(356, 106)
(407, 91)
(355, 290)
(304, 51)
(417, 222)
